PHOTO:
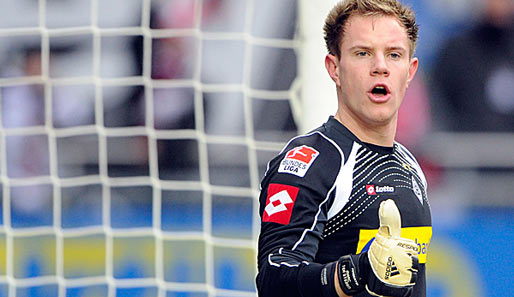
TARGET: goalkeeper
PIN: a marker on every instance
(344, 208)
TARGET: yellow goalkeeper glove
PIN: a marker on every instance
(389, 267)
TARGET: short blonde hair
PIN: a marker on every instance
(339, 15)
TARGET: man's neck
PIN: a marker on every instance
(382, 135)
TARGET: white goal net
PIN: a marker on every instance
(133, 137)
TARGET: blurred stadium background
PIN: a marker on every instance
(134, 134)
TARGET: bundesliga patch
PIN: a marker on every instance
(377, 190)
(279, 203)
(298, 160)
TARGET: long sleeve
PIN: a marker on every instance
(296, 194)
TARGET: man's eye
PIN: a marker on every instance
(395, 55)
(362, 54)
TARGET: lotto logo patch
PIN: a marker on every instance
(375, 189)
(279, 203)
(370, 189)
(298, 160)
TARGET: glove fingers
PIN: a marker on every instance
(414, 277)
(414, 270)
(415, 263)
(405, 262)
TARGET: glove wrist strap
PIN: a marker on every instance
(348, 274)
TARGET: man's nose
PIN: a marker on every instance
(379, 66)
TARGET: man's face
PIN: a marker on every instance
(373, 71)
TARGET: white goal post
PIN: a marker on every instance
(318, 93)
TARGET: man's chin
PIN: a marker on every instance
(383, 117)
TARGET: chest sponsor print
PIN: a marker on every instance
(420, 235)
(373, 190)
(298, 160)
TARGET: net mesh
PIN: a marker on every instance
(133, 138)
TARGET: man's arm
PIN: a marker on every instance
(388, 268)
(296, 193)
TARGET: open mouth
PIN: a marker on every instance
(379, 90)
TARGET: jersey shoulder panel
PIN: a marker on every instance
(409, 157)
(312, 160)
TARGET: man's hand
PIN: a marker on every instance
(393, 260)
(390, 266)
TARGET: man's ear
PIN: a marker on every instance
(413, 68)
(332, 65)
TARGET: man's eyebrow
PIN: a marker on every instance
(396, 48)
(364, 47)
(360, 47)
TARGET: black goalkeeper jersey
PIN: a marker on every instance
(319, 201)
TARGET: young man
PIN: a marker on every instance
(344, 208)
